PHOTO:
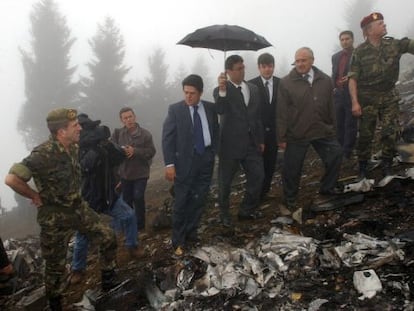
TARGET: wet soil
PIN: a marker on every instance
(384, 213)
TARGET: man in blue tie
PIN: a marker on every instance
(189, 142)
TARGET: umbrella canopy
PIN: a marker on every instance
(225, 38)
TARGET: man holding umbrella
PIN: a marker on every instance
(241, 139)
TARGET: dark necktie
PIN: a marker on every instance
(198, 132)
(242, 96)
(267, 91)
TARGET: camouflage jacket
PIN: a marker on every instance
(377, 68)
(55, 172)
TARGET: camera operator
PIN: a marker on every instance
(98, 157)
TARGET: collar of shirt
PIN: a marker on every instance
(347, 52)
(311, 74)
(199, 105)
(244, 88)
(270, 81)
(242, 84)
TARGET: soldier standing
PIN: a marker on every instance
(374, 71)
(55, 169)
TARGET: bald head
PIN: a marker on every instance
(303, 60)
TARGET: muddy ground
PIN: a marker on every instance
(384, 213)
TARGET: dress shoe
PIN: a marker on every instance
(55, 303)
(136, 252)
(193, 240)
(290, 204)
(267, 197)
(6, 273)
(7, 269)
(226, 220)
(179, 251)
(109, 280)
(284, 210)
(77, 277)
(332, 191)
(251, 216)
(297, 216)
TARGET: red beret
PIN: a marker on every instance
(370, 18)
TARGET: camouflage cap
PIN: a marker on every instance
(371, 18)
(59, 115)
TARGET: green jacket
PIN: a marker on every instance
(56, 174)
(376, 69)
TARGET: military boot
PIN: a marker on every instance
(362, 169)
(109, 280)
(387, 167)
(55, 303)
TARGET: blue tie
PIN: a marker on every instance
(198, 132)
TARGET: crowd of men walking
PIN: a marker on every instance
(82, 172)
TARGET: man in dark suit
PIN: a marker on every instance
(346, 123)
(267, 84)
(241, 139)
(189, 144)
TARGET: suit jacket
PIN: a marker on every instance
(178, 137)
(268, 110)
(335, 66)
(240, 125)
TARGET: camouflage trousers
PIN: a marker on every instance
(57, 227)
(381, 107)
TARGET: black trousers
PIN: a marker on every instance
(269, 161)
(252, 165)
(328, 150)
(190, 196)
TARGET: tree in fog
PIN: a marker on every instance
(106, 90)
(48, 74)
(201, 68)
(354, 13)
(176, 90)
(153, 96)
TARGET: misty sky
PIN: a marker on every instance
(146, 25)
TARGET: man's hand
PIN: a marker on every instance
(36, 200)
(222, 80)
(262, 148)
(129, 151)
(170, 173)
(356, 109)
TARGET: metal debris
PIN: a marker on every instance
(363, 250)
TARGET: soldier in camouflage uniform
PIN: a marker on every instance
(54, 167)
(374, 71)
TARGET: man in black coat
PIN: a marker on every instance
(189, 144)
(268, 84)
(241, 139)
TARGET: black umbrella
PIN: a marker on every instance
(225, 38)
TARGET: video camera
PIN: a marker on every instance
(92, 132)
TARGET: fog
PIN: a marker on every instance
(146, 25)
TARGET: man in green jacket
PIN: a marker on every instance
(375, 66)
(55, 169)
